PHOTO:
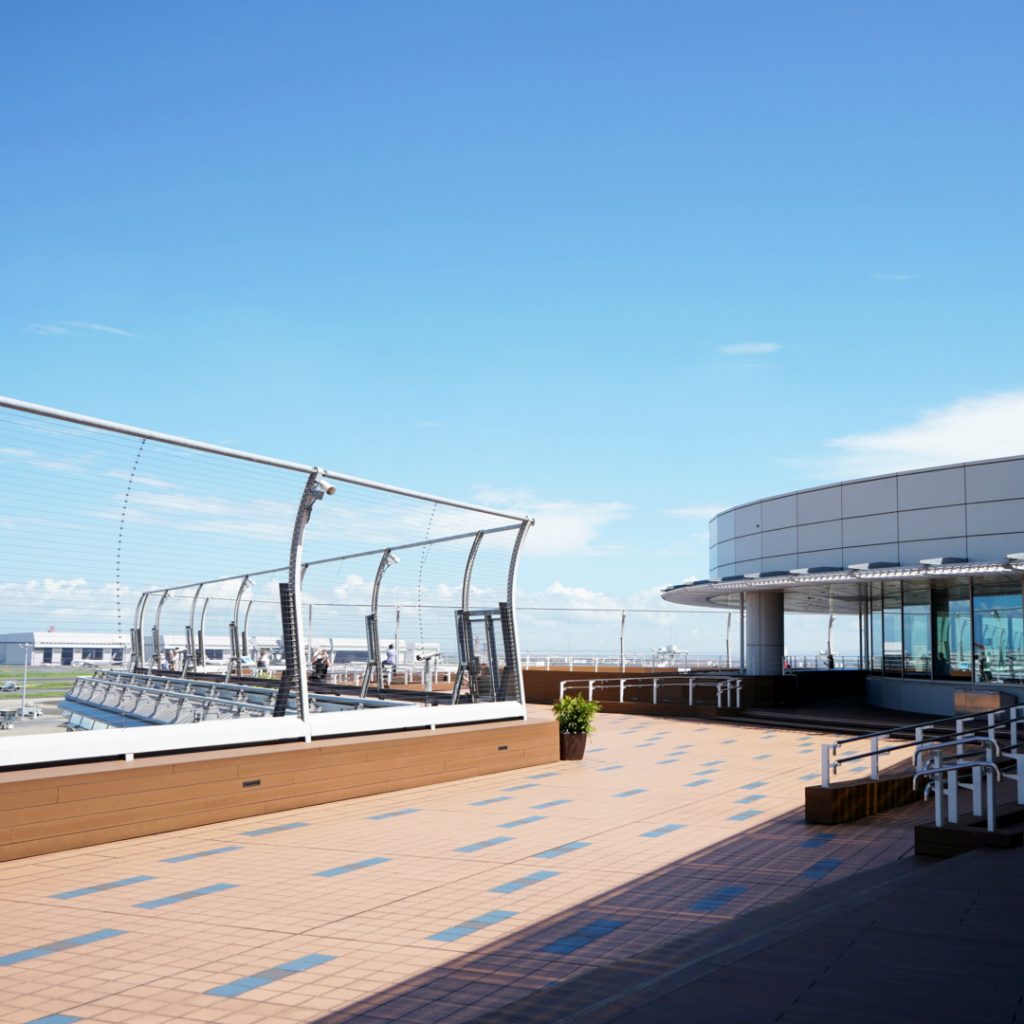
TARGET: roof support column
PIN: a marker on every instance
(765, 633)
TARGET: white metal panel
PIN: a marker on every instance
(871, 553)
(778, 513)
(990, 481)
(833, 557)
(748, 518)
(725, 552)
(995, 516)
(931, 488)
(880, 529)
(869, 497)
(818, 536)
(820, 504)
(911, 552)
(748, 547)
(994, 547)
(778, 542)
(922, 524)
(726, 525)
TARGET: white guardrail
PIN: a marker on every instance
(728, 690)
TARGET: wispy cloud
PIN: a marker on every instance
(76, 326)
(980, 427)
(894, 277)
(562, 527)
(750, 348)
(695, 511)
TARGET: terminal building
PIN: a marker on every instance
(931, 562)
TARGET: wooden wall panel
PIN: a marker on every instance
(43, 810)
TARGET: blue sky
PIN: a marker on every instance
(618, 265)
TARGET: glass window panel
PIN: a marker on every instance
(997, 630)
(892, 629)
(917, 629)
(951, 604)
(876, 627)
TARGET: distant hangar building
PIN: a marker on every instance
(930, 561)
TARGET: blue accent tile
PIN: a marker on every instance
(522, 821)
(558, 851)
(473, 847)
(543, 775)
(75, 893)
(357, 866)
(699, 782)
(583, 936)
(243, 985)
(663, 831)
(526, 880)
(201, 853)
(819, 840)
(717, 899)
(394, 814)
(460, 931)
(629, 792)
(276, 828)
(596, 750)
(182, 896)
(550, 803)
(650, 744)
(807, 778)
(744, 815)
(822, 868)
(515, 789)
(750, 799)
(490, 800)
(762, 757)
(706, 771)
(610, 768)
(57, 947)
(754, 785)
(668, 760)
(55, 1018)
(708, 764)
(724, 742)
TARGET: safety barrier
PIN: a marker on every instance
(728, 690)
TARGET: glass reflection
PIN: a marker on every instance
(997, 631)
(892, 629)
(917, 632)
(951, 604)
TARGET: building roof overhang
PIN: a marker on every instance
(827, 589)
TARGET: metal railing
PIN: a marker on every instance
(987, 723)
(979, 756)
(728, 690)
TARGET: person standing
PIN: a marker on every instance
(388, 669)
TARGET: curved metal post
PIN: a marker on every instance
(235, 660)
(373, 656)
(315, 489)
(245, 626)
(513, 619)
(156, 630)
(464, 637)
(201, 647)
(138, 656)
(189, 661)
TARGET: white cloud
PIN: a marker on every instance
(74, 326)
(695, 511)
(750, 348)
(562, 527)
(981, 427)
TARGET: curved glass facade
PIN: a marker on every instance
(962, 627)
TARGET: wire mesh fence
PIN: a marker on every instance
(166, 557)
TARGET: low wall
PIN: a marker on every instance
(43, 810)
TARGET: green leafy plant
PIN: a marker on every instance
(575, 714)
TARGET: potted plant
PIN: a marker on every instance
(575, 719)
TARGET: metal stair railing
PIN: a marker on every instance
(1004, 722)
(977, 755)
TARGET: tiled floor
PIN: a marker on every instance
(432, 904)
